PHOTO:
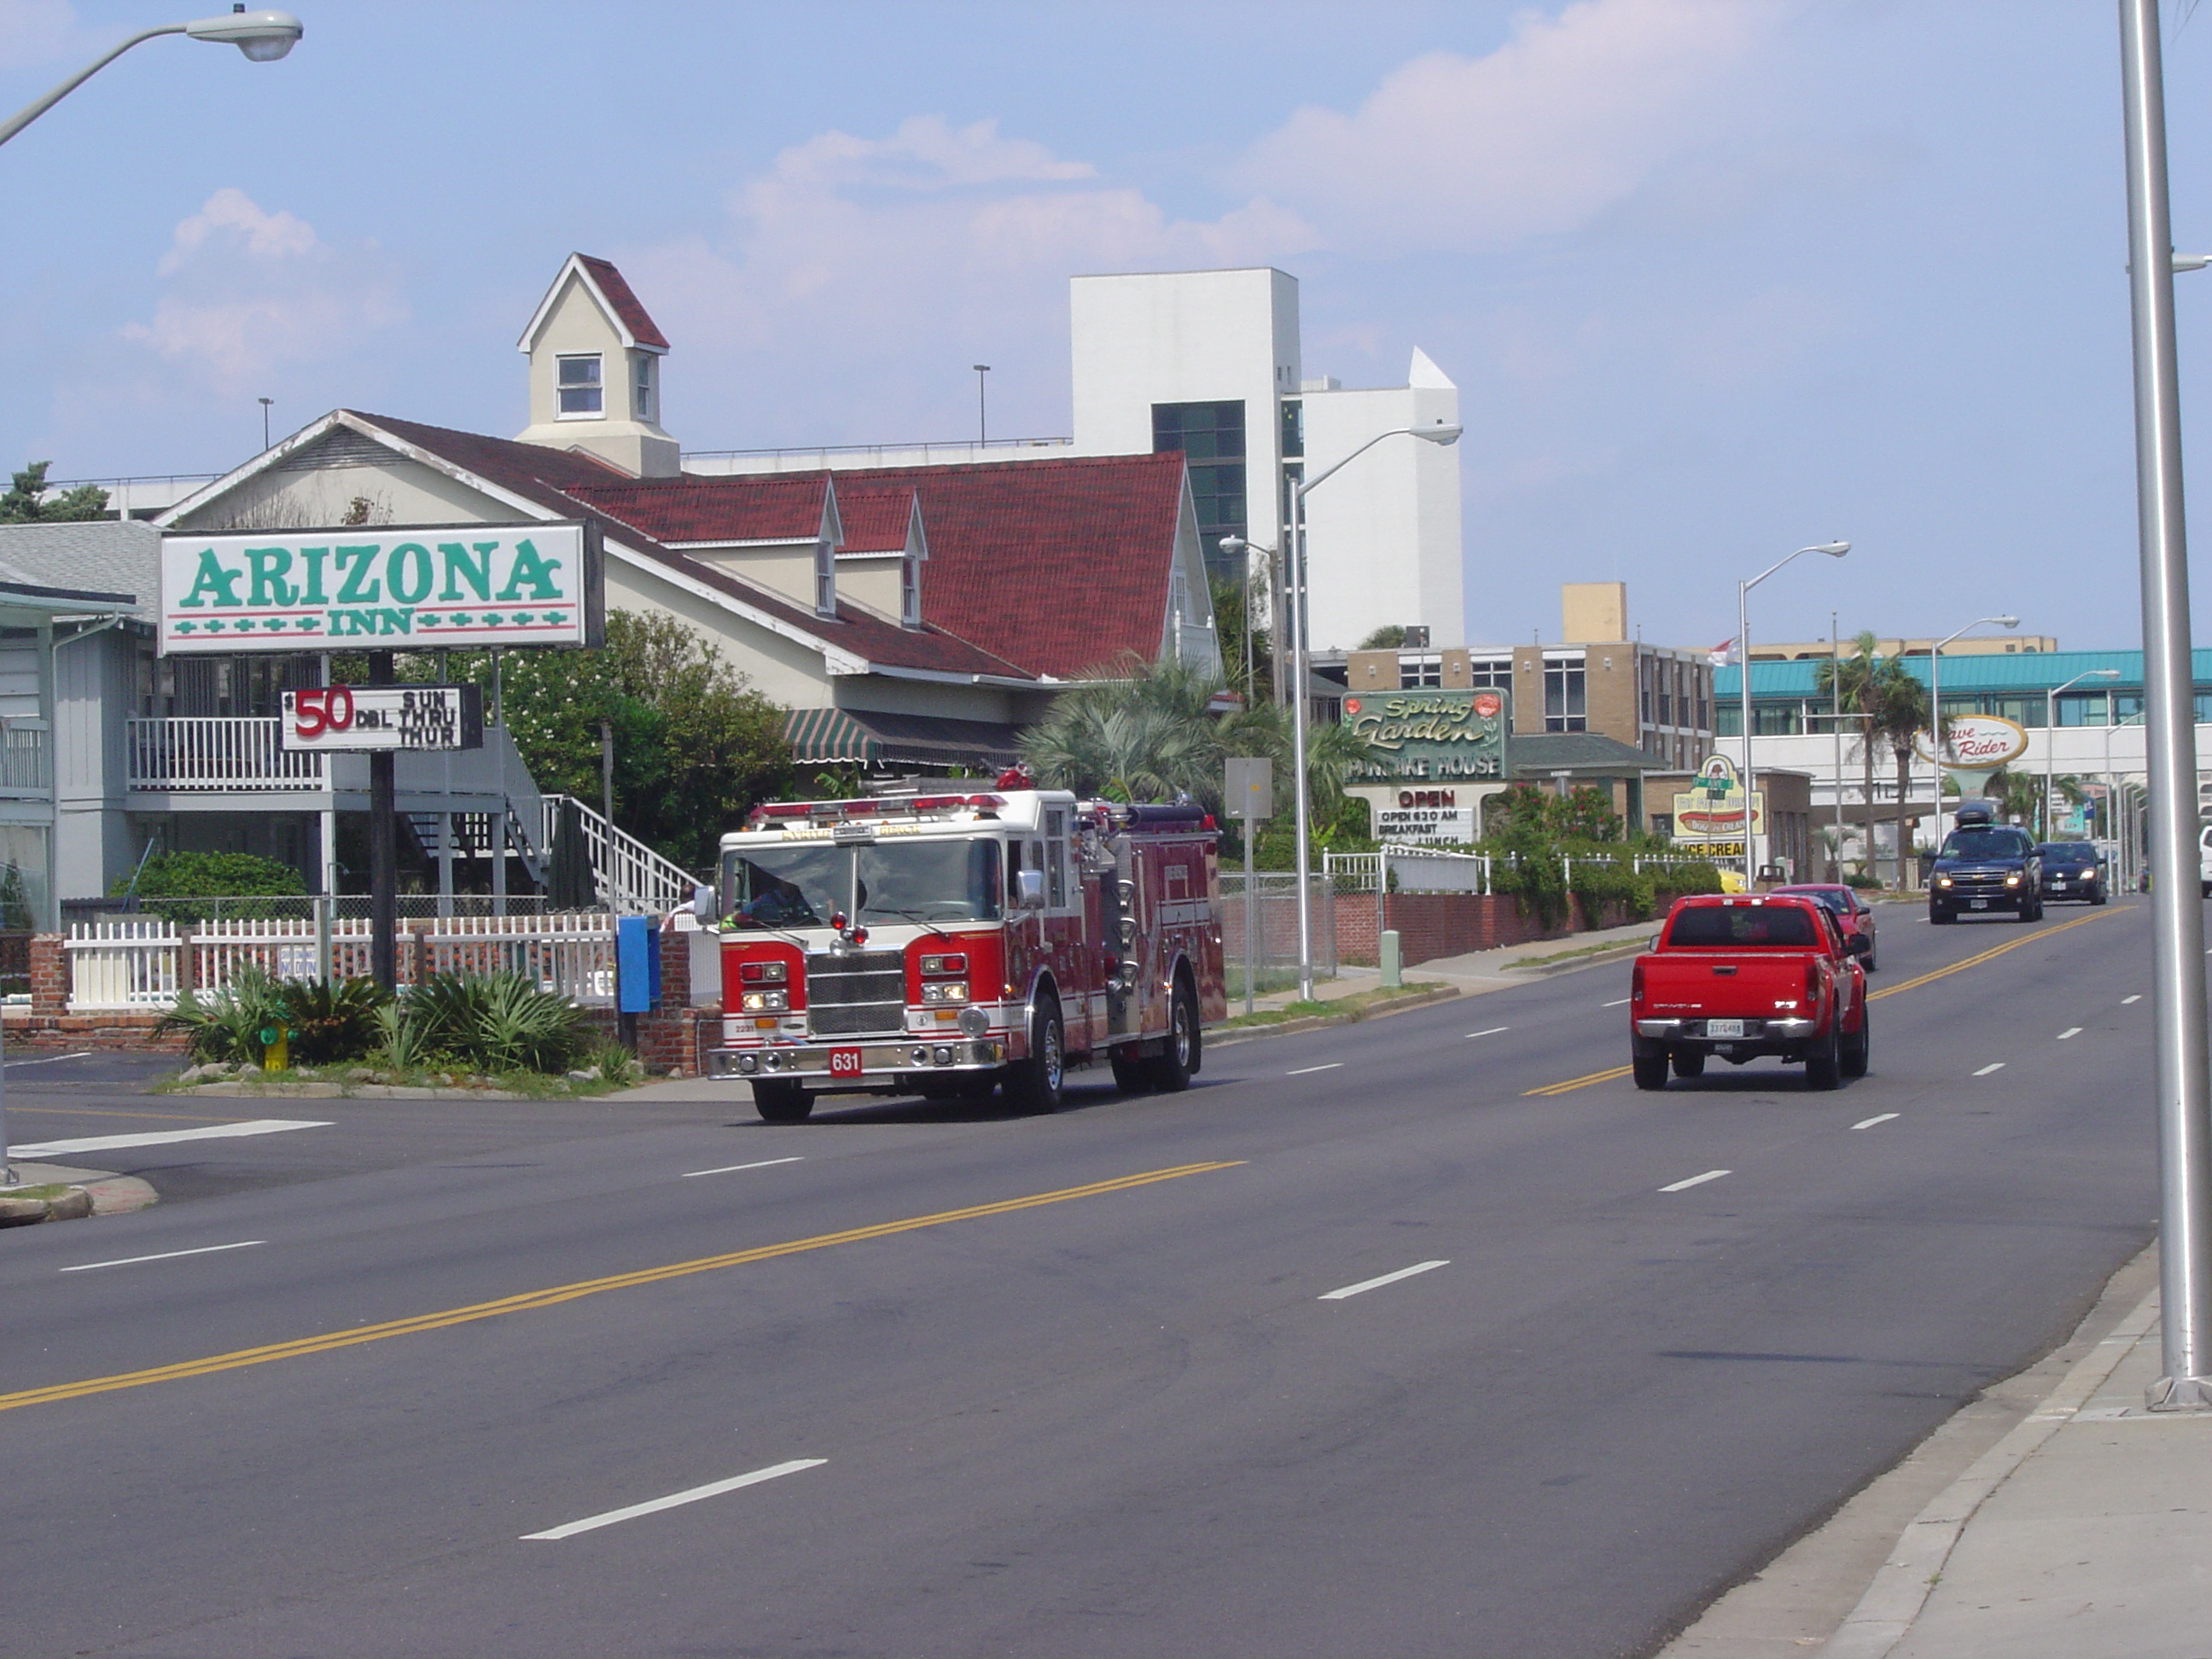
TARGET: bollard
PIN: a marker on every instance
(1392, 977)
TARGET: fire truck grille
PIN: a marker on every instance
(862, 993)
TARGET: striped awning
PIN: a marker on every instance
(869, 737)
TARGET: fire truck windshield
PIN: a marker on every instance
(802, 886)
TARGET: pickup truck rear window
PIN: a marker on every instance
(1730, 926)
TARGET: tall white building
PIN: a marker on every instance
(1209, 362)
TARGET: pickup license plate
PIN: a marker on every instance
(845, 1062)
(1977, 904)
(1723, 1028)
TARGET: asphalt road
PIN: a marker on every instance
(1078, 1386)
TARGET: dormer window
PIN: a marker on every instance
(910, 590)
(825, 580)
(582, 395)
(644, 387)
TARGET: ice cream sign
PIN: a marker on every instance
(409, 588)
(1712, 808)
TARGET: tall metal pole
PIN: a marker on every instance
(383, 850)
(1295, 576)
(1743, 686)
(983, 424)
(2176, 917)
(1836, 691)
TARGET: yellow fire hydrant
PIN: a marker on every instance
(275, 1048)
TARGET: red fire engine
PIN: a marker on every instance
(946, 945)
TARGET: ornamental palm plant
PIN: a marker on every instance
(1850, 681)
(1900, 716)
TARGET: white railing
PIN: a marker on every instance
(1416, 869)
(23, 764)
(210, 754)
(141, 964)
(632, 876)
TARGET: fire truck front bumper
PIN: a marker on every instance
(862, 1063)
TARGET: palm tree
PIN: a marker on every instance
(1851, 681)
(1901, 713)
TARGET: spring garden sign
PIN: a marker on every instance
(417, 588)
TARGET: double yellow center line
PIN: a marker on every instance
(1570, 1085)
(530, 1301)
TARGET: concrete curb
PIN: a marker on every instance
(1223, 1036)
(1885, 1615)
(1616, 953)
(343, 1091)
(90, 1193)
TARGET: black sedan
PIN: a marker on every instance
(2073, 870)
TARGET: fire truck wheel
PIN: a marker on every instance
(783, 1101)
(1179, 1055)
(1034, 1085)
(1132, 1073)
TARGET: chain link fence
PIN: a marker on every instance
(1272, 917)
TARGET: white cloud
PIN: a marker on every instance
(1564, 120)
(248, 291)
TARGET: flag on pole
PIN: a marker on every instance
(1723, 654)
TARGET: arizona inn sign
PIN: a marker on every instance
(418, 588)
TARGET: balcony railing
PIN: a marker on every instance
(224, 755)
(24, 764)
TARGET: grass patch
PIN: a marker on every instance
(1545, 960)
(352, 1075)
(49, 1192)
(1345, 1008)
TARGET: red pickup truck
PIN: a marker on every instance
(1742, 976)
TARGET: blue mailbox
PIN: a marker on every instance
(637, 965)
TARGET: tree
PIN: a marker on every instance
(695, 746)
(1389, 637)
(24, 501)
(1850, 680)
(1240, 631)
(1900, 714)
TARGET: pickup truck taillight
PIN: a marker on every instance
(1636, 982)
(1811, 984)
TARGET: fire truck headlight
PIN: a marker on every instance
(974, 1022)
(952, 991)
(764, 1002)
(956, 964)
(764, 973)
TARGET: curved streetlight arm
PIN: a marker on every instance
(1435, 434)
(32, 112)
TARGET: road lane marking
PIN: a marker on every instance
(1623, 1003)
(1574, 1083)
(554, 1295)
(2071, 1031)
(20, 1109)
(1377, 1283)
(48, 1059)
(257, 1126)
(1308, 1070)
(732, 1169)
(2137, 997)
(1696, 1181)
(1493, 1031)
(165, 1256)
(1868, 1122)
(1990, 955)
(1994, 1065)
(675, 1500)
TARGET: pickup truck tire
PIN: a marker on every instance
(1857, 1047)
(1689, 1063)
(1649, 1062)
(1179, 1052)
(1940, 915)
(1037, 1085)
(779, 1101)
(1824, 1067)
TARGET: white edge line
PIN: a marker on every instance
(1868, 1122)
(1303, 1071)
(1493, 1031)
(1994, 1065)
(165, 1256)
(732, 1169)
(1623, 1003)
(1377, 1284)
(48, 1059)
(712, 1489)
(2071, 1031)
(1696, 1181)
(256, 1126)
(2137, 997)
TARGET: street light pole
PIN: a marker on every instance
(2050, 738)
(1834, 550)
(2185, 1235)
(1442, 433)
(263, 36)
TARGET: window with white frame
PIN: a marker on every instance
(582, 394)
(910, 590)
(825, 580)
(643, 383)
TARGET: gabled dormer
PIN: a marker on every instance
(595, 371)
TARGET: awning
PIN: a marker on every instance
(869, 737)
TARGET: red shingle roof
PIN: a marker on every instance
(1060, 565)
(874, 516)
(758, 507)
(627, 304)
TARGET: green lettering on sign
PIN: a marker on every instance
(407, 573)
(531, 566)
(357, 588)
(268, 565)
(459, 567)
(212, 578)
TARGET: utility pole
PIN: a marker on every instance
(982, 425)
(2185, 1127)
(383, 850)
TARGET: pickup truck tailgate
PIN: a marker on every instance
(1693, 985)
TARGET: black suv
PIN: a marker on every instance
(1985, 865)
(2073, 870)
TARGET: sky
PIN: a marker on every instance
(1716, 278)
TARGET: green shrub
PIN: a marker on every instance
(227, 1026)
(170, 882)
(331, 1021)
(495, 1023)
(328, 1022)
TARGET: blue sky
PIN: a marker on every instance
(1716, 277)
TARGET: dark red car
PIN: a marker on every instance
(1853, 915)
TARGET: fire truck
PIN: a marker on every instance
(949, 945)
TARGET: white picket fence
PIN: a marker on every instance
(141, 964)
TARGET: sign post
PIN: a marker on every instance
(1249, 795)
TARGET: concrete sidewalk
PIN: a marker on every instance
(1480, 970)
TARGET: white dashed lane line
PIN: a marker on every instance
(692, 1495)
(1868, 1122)
(2071, 1031)
(1623, 1003)
(1696, 1181)
(165, 1256)
(2137, 997)
(732, 1169)
(1493, 1031)
(1308, 1070)
(1377, 1283)
(1994, 1065)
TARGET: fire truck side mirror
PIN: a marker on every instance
(1030, 889)
(703, 902)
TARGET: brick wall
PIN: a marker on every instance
(1434, 925)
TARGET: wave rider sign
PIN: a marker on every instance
(383, 588)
